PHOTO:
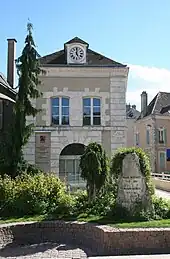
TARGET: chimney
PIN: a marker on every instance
(134, 106)
(144, 102)
(11, 62)
(128, 107)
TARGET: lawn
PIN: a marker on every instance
(164, 223)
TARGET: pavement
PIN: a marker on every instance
(166, 256)
(45, 250)
(162, 194)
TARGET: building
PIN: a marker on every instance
(7, 93)
(131, 116)
(152, 130)
(84, 100)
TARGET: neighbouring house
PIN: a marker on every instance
(152, 130)
(7, 93)
(84, 100)
(132, 115)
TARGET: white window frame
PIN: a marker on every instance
(161, 131)
(91, 110)
(164, 152)
(1, 114)
(60, 109)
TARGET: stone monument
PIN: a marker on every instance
(132, 184)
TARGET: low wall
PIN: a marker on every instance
(101, 240)
(162, 184)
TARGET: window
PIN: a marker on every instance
(147, 137)
(162, 160)
(1, 114)
(162, 136)
(91, 111)
(60, 111)
(137, 139)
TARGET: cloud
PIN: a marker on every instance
(149, 79)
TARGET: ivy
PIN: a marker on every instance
(117, 161)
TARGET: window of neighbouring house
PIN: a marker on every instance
(60, 110)
(91, 111)
(162, 136)
(148, 136)
(137, 139)
(1, 114)
(162, 160)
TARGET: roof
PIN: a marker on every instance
(3, 82)
(157, 105)
(93, 58)
(131, 112)
(76, 40)
(5, 97)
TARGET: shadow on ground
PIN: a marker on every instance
(45, 249)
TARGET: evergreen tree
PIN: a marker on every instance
(28, 70)
(94, 169)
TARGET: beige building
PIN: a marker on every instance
(131, 116)
(84, 100)
(152, 130)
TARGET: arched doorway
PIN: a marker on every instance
(69, 170)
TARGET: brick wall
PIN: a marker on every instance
(102, 240)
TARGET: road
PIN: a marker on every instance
(162, 194)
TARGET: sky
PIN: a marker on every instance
(133, 32)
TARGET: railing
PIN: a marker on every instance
(162, 176)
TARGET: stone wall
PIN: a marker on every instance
(102, 240)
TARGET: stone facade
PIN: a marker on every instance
(76, 82)
(99, 240)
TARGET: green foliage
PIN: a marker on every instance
(28, 69)
(116, 166)
(94, 168)
(161, 208)
(31, 195)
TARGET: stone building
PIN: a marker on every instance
(152, 130)
(84, 100)
(132, 115)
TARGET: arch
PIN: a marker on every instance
(69, 170)
(73, 149)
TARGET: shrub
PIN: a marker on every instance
(81, 202)
(94, 169)
(33, 194)
(161, 208)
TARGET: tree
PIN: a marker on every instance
(94, 168)
(28, 70)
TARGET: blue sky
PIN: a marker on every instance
(133, 32)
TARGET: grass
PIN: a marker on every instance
(164, 223)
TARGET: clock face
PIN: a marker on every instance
(76, 54)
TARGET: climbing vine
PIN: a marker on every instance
(116, 166)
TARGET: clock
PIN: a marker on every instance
(76, 54)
